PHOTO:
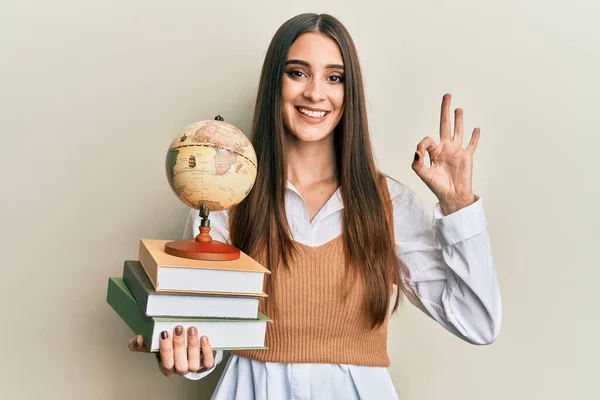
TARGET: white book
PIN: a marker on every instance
(167, 304)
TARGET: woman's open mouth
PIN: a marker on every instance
(312, 115)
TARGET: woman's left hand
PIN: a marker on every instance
(450, 175)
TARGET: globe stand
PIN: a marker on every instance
(203, 247)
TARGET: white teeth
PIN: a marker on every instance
(313, 114)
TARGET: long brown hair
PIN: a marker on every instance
(259, 224)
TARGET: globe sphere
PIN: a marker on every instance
(211, 163)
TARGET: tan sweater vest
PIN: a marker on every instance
(314, 323)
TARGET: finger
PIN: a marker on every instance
(426, 145)
(193, 350)
(167, 361)
(162, 370)
(136, 343)
(132, 344)
(160, 367)
(445, 132)
(418, 165)
(458, 126)
(179, 351)
(474, 140)
(418, 162)
(208, 358)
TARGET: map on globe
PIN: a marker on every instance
(211, 162)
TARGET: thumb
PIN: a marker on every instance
(136, 343)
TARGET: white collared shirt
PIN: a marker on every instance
(451, 277)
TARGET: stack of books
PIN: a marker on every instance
(220, 298)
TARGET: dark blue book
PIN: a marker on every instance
(181, 304)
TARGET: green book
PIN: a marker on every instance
(223, 333)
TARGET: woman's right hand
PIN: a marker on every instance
(173, 357)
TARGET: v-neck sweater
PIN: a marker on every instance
(314, 322)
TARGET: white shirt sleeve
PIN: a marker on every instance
(449, 270)
(219, 230)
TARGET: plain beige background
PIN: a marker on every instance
(92, 93)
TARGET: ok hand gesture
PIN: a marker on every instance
(450, 175)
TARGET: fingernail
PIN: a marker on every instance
(178, 331)
(416, 156)
(204, 340)
(193, 331)
(164, 335)
(135, 342)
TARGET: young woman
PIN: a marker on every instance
(339, 236)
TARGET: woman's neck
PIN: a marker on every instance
(310, 163)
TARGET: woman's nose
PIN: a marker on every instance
(315, 90)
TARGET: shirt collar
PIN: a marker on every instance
(333, 205)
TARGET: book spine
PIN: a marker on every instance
(135, 287)
(129, 311)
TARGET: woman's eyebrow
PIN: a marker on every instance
(307, 65)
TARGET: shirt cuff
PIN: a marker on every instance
(194, 376)
(460, 225)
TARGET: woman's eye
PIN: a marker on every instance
(337, 78)
(295, 74)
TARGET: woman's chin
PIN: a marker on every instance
(310, 136)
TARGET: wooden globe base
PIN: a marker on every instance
(213, 251)
(203, 247)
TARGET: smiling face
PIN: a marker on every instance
(313, 87)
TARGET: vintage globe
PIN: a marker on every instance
(212, 163)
